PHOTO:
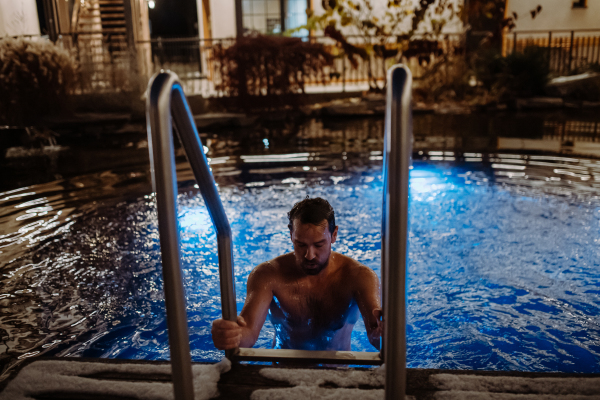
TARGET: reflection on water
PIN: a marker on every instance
(503, 249)
(561, 132)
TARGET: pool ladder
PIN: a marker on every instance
(167, 107)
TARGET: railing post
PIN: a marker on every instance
(282, 12)
(394, 233)
(166, 105)
(344, 73)
(239, 19)
(514, 42)
(571, 52)
(164, 183)
(549, 49)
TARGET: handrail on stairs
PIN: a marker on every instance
(166, 107)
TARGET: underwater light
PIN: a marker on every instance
(426, 180)
(192, 219)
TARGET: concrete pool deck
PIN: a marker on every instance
(82, 379)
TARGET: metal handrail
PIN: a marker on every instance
(165, 100)
(394, 231)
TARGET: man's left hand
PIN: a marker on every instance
(377, 330)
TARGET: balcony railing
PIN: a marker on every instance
(567, 50)
(107, 65)
(201, 71)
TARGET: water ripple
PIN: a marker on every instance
(503, 269)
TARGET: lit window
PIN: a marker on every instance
(264, 16)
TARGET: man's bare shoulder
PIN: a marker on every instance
(271, 269)
(355, 270)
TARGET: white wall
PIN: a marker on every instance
(555, 15)
(222, 15)
(18, 17)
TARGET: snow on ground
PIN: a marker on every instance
(465, 395)
(315, 392)
(449, 387)
(69, 377)
(518, 385)
(318, 377)
(308, 382)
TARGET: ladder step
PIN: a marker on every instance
(114, 30)
(113, 22)
(117, 9)
(107, 15)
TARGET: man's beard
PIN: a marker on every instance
(311, 268)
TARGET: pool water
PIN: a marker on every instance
(504, 263)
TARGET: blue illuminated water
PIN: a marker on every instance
(504, 269)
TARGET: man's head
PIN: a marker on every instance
(312, 230)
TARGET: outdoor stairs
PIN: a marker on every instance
(112, 16)
(101, 33)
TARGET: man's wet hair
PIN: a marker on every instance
(312, 211)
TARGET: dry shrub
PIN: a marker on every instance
(259, 65)
(445, 79)
(35, 79)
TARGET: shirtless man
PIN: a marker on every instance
(313, 295)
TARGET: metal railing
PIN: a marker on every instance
(108, 63)
(394, 230)
(202, 71)
(566, 50)
(167, 106)
(165, 100)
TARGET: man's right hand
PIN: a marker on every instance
(227, 334)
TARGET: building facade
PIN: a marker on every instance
(567, 30)
(18, 18)
(218, 17)
(555, 14)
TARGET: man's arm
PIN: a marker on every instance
(367, 296)
(244, 333)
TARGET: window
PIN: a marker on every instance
(295, 15)
(580, 4)
(264, 16)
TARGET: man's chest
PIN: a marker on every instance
(319, 307)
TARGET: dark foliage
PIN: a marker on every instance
(423, 49)
(351, 51)
(35, 79)
(260, 65)
(518, 74)
(489, 16)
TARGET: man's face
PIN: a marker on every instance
(312, 245)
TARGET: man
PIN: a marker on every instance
(313, 295)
